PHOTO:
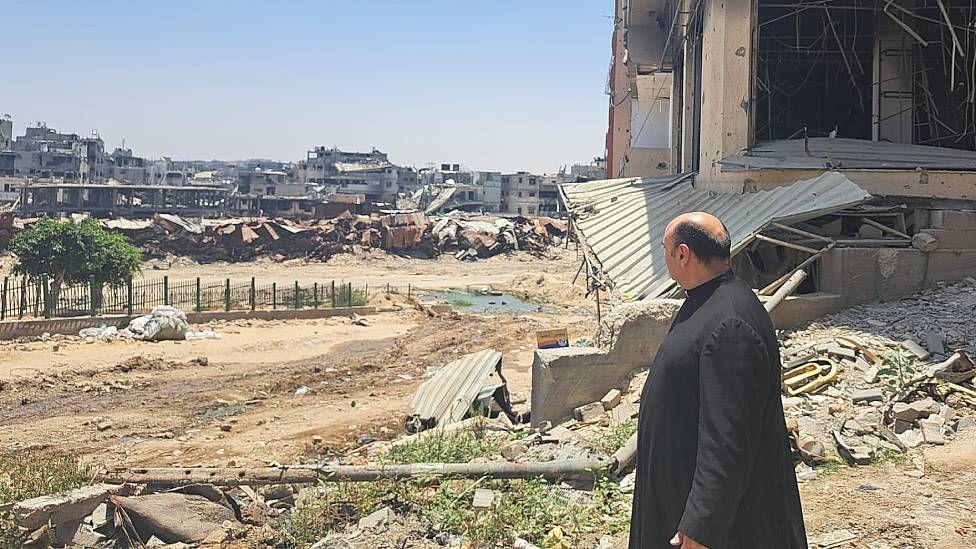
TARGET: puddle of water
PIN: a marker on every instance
(478, 303)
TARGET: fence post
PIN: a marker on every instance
(91, 296)
(227, 295)
(294, 298)
(37, 299)
(196, 299)
(366, 294)
(349, 299)
(3, 301)
(274, 295)
(254, 295)
(315, 293)
(128, 307)
(23, 297)
(408, 290)
(47, 296)
(165, 289)
(332, 299)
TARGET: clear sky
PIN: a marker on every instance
(496, 85)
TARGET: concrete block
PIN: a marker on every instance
(611, 399)
(932, 432)
(950, 239)
(965, 423)
(867, 395)
(483, 499)
(925, 242)
(564, 379)
(915, 349)
(589, 412)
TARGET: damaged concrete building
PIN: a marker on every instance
(834, 138)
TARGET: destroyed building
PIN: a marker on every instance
(524, 193)
(824, 134)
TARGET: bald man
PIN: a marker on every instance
(713, 458)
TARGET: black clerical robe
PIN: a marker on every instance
(713, 459)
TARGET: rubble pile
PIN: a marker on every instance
(883, 377)
(407, 233)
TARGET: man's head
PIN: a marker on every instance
(697, 248)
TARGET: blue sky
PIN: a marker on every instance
(497, 85)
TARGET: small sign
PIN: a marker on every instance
(552, 339)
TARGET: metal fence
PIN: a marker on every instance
(33, 298)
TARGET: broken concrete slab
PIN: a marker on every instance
(378, 519)
(965, 423)
(611, 399)
(630, 335)
(593, 411)
(65, 507)
(174, 517)
(624, 412)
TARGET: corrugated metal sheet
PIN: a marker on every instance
(623, 220)
(823, 153)
(448, 395)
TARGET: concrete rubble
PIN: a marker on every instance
(244, 239)
(878, 396)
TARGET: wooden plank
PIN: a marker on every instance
(885, 228)
(778, 242)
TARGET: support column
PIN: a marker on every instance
(726, 83)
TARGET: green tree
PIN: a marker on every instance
(74, 253)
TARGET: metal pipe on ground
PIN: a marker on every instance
(623, 457)
(256, 476)
(788, 287)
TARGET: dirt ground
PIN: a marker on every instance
(233, 401)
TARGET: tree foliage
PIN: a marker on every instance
(74, 253)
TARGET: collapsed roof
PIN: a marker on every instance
(621, 222)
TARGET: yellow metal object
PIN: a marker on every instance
(810, 377)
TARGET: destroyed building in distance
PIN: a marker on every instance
(46, 172)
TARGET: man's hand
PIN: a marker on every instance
(684, 542)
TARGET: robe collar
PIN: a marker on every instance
(706, 288)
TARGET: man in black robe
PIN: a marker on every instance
(713, 460)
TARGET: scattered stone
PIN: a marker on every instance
(867, 395)
(935, 342)
(902, 425)
(302, 391)
(377, 519)
(483, 499)
(925, 242)
(932, 432)
(841, 352)
(225, 427)
(911, 438)
(611, 399)
(805, 473)
(316, 440)
(925, 407)
(363, 440)
(965, 423)
(104, 425)
(915, 349)
(513, 451)
(902, 411)
(871, 375)
(587, 413)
